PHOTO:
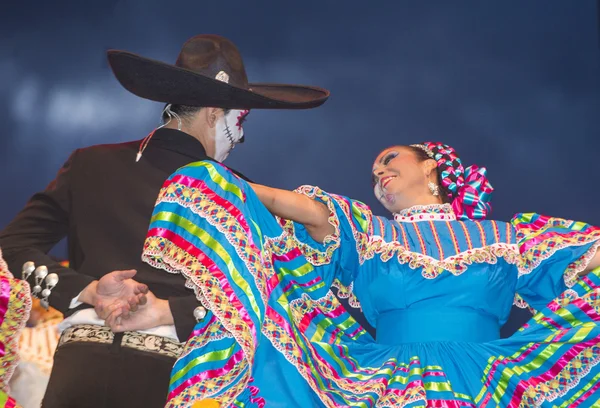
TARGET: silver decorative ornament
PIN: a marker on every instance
(435, 190)
(41, 272)
(199, 313)
(51, 280)
(28, 268)
(222, 76)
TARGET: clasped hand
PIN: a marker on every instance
(125, 304)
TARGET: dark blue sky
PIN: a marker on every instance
(512, 85)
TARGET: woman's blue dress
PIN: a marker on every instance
(436, 289)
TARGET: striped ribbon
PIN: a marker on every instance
(473, 198)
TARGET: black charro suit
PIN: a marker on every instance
(102, 201)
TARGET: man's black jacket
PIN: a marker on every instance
(102, 201)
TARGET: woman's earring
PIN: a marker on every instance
(435, 190)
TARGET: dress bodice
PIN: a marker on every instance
(427, 276)
(458, 276)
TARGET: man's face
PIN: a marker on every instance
(229, 131)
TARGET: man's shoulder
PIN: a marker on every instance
(209, 166)
(108, 149)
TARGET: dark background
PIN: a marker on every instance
(512, 85)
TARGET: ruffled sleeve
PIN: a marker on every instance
(348, 252)
(15, 305)
(553, 252)
(210, 226)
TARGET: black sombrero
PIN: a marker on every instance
(209, 72)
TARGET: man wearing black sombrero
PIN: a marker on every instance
(102, 200)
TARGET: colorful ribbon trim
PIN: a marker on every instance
(469, 189)
(474, 196)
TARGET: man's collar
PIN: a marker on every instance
(184, 144)
(178, 141)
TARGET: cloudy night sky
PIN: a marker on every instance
(513, 85)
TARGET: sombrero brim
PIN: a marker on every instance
(161, 82)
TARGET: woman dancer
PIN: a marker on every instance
(437, 282)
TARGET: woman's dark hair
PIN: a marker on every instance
(422, 156)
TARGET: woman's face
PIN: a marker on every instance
(399, 178)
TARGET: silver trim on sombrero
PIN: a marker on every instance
(223, 77)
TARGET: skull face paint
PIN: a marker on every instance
(229, 132)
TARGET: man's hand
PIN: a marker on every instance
(116, 288)
(156, 312)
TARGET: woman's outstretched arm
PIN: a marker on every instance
(296, 207)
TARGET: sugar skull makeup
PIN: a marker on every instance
(229, 132)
